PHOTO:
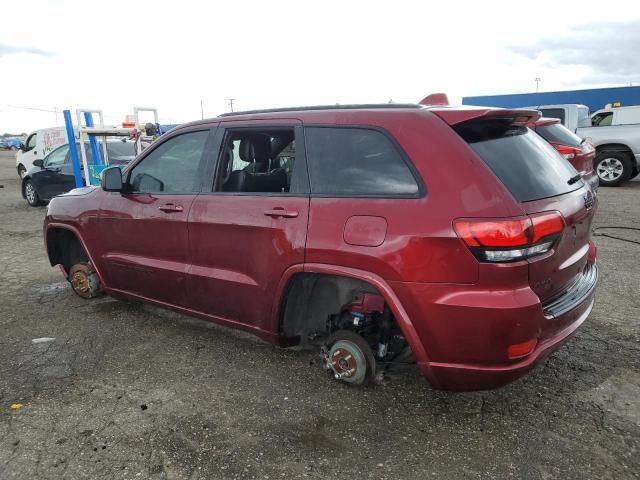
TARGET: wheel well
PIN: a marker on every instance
(64, 248)
(310, 298)
(614, 147)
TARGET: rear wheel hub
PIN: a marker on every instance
(348, 362)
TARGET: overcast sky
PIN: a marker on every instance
(69, 54)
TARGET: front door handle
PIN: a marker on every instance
(281, 212)
(170, 208)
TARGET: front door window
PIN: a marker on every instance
(173, 167)
(57, 158)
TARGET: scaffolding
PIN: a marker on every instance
(87, 131)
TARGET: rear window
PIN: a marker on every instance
(558, 134)
(553, 113)
(527, 165)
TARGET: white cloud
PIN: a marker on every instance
(269, 54)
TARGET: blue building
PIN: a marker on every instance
(594, 98)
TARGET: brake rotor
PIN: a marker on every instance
(348, 362)
(84, 281)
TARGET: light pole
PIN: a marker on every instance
(230, 100)
(538, 79)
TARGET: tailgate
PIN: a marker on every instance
(550, 274)
(540, 180)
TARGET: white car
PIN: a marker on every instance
(38, 145)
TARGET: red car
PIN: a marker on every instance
(453, 237)
(580, 153)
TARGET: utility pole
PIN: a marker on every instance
(230, 100)
(55, 110)
(538, 80)
(201, 110)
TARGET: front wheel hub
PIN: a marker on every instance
(84, 281)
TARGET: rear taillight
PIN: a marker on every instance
(510, 239)
(568, 152)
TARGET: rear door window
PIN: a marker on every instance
(556, 133)
(261, 160)
(356, 161)
(527, 165)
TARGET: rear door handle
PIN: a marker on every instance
(170, 208)
(281, 212)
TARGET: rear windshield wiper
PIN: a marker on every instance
(574, 179)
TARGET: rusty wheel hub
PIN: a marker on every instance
(83, 280)
(343, 363)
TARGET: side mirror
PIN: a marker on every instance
(111, 180)
(22, 147)
(38, 163)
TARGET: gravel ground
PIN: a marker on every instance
(131, 391)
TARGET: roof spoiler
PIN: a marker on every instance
(543, 121)
(459, 115)
(435, 99)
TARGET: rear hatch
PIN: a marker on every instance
(540, 179)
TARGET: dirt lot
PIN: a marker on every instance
(129, 391)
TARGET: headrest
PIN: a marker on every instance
(255, 148)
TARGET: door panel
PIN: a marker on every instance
(65, 179)
(48, 182)
(144, 239)
(144, 250)
(239, 253)
(42, 180)
(242, 237)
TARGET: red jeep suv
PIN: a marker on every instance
(455, 238)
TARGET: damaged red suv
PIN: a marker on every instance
(455, 238)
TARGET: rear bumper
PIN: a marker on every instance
(480, 335)
(465, 377)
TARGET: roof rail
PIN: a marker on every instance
(327, 107)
